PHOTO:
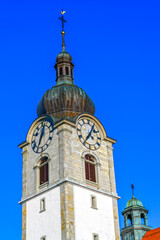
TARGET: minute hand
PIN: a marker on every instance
(89, 133)
(42, 133)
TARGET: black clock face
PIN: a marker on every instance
(89, 134)
(42, 136)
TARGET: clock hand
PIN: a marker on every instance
(95, 131)
(89, 133)
(42, 133)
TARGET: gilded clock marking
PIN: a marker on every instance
(89, 134)
(42, 136)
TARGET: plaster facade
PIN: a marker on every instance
(89, 220)
(41, 224)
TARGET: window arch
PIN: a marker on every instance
(90, 168)
(43, 171)
(142, 219)
(129, 220)
(67, 70)
(60, 71)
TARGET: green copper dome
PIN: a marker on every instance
(65, 102)
(134, 202)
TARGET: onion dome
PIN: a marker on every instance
(65, 100)
(134, 203)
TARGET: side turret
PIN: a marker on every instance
(135, 220)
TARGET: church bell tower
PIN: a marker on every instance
(135, 220)
(69, 190)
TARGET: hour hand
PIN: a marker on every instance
(88, 136)
(95, 131)
(40, 138)
(89, 133)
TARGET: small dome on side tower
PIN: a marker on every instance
(134, 202)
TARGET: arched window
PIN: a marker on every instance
(71, 72)
(142, 219)
(129, 220)
(90, 170)
(43, 171)
(60, 71)
(67, 70)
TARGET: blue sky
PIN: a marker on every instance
(116, 52)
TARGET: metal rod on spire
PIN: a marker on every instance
(132, 186)
(63, 32)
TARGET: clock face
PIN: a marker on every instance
(89, 133)
(42, 136)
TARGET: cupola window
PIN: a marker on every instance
(43, 170)
(142, 219)
(90, 170)
(71, 72)
(60, 71)
(129, 220)
(67, 70)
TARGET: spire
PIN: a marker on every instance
(63, 44)
(63, 32)
(132, 186)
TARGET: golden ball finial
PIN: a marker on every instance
(63, 32)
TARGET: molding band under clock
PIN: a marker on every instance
(72, 182)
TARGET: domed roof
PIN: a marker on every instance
(65, 101)
(63, 56)
(134, 202)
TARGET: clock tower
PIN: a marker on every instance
(69, 190)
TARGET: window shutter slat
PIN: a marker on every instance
(41, 175)
(43, 171)
(92, 173)
(87, 170)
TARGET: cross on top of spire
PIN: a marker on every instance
(62, 19)
(63, 32)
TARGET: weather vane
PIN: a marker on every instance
(62, 19)
(132, 186)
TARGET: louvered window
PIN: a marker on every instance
(44, 171)
(90, 168)
(60, 71)
(67, 70)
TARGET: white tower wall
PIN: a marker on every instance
(46, 223)
(89, 220)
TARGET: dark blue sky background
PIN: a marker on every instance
(115, 47)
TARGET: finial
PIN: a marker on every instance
(63, 32)
(132, 186)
